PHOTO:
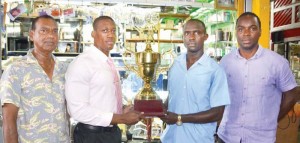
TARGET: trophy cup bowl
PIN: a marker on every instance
(147, 100)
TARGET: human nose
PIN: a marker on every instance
(111, 33)
(191, 36)
(52, 34)
(246, 32)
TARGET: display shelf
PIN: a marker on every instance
(25, 16)
(16, 53)
(218, 23)
(174, 15)
(59, 54)
(67, 41)
(143, 2)
(221, 42)
(23, 53)
(156, 40)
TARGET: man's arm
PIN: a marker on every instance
(212, 115)
(288, 101)
(128, 118)
(10, 114)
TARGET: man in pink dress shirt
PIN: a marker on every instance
(93, 90)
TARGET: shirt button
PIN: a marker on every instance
(245, 88)
(245, 76)
(184, 87)
(244, 101)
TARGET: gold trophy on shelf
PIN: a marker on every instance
(148, 66)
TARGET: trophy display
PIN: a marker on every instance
(147, 100)
(147, 66)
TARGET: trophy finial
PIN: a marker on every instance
(148, 47)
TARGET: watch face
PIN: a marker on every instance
(178, 123)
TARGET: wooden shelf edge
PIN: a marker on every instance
(175, 15)
(161, 40)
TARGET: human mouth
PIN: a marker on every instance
(110, 42)
(49, 43)
(191, 44)
(246, 41)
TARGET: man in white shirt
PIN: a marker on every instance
(93, 90)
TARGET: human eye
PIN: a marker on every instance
(43, 31)
(105, 30)
(254, 28)
(186, 33)
(197, 33)
(55, 31)
(239, 29)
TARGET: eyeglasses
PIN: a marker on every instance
(46, 31)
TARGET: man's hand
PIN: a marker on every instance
(132, 117)
(128, 108)
(129, 117)
(170, 118)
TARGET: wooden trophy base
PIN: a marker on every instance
(151, 108)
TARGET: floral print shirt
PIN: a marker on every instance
(42, 115)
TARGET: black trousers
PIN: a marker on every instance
(84, 133)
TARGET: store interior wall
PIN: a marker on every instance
(1, 21)
(1, 138)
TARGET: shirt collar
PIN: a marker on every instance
(200, 61)
(257, 54)
(31, 59)
(97, 54)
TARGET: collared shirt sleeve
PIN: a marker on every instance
(286, 79)
(10, 89)
(78, 95)
(219, 90)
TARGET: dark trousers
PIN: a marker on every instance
(84, 133)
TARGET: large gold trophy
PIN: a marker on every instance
(147, 66)
(147, 100)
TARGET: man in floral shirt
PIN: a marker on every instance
(32, 91)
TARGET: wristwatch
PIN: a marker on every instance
(179, 122)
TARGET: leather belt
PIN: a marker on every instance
(97, 128)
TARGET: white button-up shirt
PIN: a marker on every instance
(90, 89)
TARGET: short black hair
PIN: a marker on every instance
(250, 14)
(35, 20)
(99, 19)
(197, 21)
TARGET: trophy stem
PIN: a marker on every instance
(149, 128)
(147, 92)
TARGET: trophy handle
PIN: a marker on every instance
(164, 69)
(128, 66)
